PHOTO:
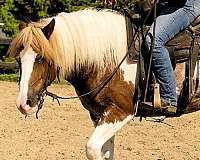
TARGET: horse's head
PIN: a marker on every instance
(37, 67)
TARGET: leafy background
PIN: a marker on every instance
(12, 12)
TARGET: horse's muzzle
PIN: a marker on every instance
(26, 109)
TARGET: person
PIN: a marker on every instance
(175, 16)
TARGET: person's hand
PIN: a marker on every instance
(109, 2)
(153, 1)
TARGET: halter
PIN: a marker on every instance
(44, 91)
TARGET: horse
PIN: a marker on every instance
(84, 47)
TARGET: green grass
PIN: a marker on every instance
(9, 77)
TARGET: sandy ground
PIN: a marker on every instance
(61, 132)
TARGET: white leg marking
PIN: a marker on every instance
(27, 61)
(130, 71)
(100, 136)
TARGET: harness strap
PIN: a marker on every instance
(151, 53)
(142, 79)
(197, 78)
(188, 89)
(193, 59)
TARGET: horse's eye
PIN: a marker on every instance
(40, 59)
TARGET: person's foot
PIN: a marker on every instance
(169, 109)
(166, 109)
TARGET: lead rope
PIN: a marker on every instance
(44, 92)
(99, 87)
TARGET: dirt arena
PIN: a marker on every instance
(61, 132)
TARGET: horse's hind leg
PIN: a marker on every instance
(101, 144)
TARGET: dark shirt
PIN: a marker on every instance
(173, 3)
(163, 7)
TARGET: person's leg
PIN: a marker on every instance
(167, 26)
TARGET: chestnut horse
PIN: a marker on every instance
(85, 47)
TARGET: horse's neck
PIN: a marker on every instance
(80, 78)
(89, 77)
(81, 38)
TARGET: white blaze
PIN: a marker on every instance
(27, 60)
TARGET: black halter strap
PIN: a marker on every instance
(44, 91)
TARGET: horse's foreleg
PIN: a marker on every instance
(108, 149)
(101, 144)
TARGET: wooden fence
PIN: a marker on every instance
(5, 41)
(8, 66)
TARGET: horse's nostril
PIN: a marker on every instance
(28, 102)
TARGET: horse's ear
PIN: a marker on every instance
(47, 30)
(22, 25)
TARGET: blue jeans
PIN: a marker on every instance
(168, 24)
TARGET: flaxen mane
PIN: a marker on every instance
(31, 36)
(87, 37)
